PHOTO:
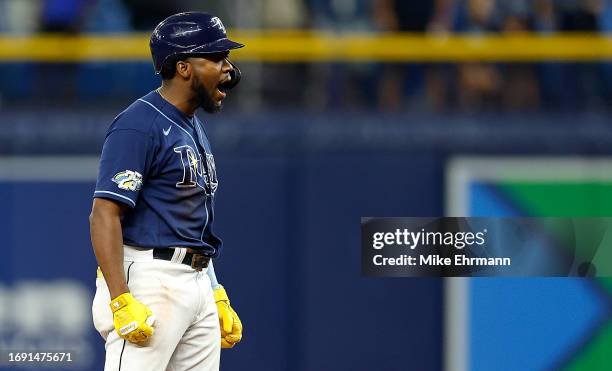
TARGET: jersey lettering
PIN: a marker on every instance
(210, 178)
(192, 164)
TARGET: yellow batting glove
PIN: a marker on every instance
(231, 327)
(133, 320)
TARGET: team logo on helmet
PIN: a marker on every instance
(128, 180)
(216, 22)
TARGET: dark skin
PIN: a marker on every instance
(197, 75)
(107, 241)
(194, 85)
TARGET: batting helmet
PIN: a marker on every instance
(190, 33)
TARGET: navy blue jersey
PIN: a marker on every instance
(158, 161)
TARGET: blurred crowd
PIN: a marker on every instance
(385, 86)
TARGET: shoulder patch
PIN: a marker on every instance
(128, 180)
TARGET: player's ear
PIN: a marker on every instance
(183, 69)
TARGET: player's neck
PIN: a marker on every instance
(177, 98)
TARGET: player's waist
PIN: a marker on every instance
(156, 239)
(194, 258)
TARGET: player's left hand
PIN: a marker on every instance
(231, 327)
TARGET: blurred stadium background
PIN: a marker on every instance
(348, 108)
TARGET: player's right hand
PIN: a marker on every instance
(133, 320)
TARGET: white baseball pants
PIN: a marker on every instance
(186, 331)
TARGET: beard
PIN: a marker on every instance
(202, 98)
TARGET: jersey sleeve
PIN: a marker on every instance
(124, 165)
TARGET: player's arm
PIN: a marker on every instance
(231, 326)
(122, 163)
(132, 319)
(213, 277)
(107, 241)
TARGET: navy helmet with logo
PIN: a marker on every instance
(188, 33)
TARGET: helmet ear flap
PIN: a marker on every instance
(235, 75)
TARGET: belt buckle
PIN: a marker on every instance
(199, 261)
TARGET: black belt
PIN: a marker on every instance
(195, 260)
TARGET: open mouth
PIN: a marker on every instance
(221, 91)
(223, 87)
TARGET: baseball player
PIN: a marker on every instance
(158, 304)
